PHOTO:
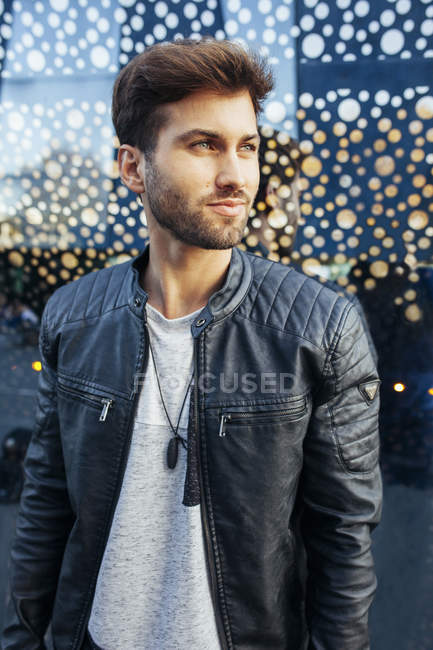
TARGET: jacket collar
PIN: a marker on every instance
(220, 304)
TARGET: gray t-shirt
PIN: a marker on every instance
(153, 588)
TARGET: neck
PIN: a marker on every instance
(179, 278)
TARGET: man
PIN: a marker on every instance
(205, 416)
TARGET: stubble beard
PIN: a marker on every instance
(172, 211)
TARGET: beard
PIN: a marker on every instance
(188, 223)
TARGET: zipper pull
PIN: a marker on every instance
(107, 403)
(225, 417)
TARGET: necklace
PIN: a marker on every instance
(173, 445)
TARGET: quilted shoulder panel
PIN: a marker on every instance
(286, 299)
(90, 296)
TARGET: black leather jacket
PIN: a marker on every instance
(285, 465)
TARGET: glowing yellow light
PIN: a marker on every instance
(430, 391)
(399, 387)
(37, 365)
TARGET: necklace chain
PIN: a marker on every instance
(176, 435)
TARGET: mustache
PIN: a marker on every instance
(228, 194)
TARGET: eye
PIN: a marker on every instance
(203, 144)
(249, 147)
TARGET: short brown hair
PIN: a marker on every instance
(168, 72)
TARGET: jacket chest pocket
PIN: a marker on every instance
(254, 458)
(102, 403)
(232, 419)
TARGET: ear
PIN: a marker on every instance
(131, 167)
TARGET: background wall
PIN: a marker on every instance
(354, 86)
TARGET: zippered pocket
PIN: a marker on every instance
(258, 417)
(103, 403)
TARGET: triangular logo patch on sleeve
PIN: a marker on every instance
(369, 390)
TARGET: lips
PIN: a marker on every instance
(229, 208)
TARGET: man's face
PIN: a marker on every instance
(202, 178)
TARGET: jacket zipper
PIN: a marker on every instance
(263, 415)
(203, 508)
(106, 402)
(125, 454)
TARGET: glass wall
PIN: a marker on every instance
(354, 87)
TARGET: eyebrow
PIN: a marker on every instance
(214, 135)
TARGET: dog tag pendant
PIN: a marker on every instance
(172, 452)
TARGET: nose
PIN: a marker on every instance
(230, 173)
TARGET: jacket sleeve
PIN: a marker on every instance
(43, 524)
(359, 308)
(341, 492)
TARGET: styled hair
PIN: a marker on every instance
(168, 72)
